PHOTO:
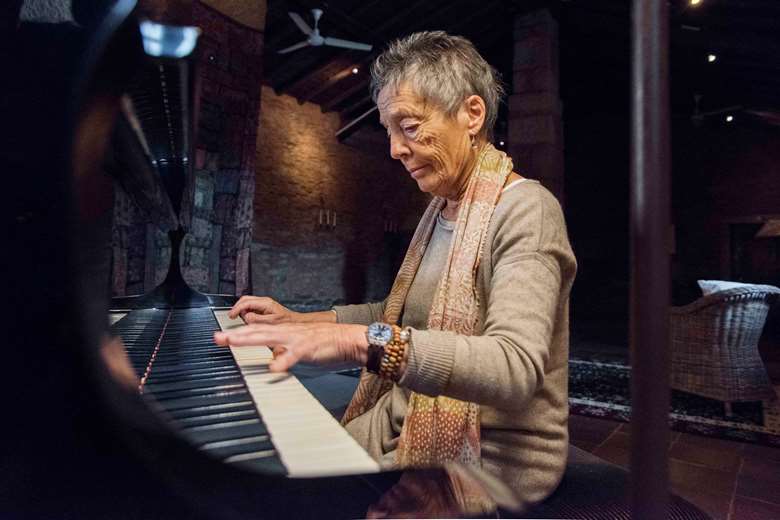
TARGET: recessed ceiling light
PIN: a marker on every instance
(355, 70)
(711, 58)
(501, 143)
(729, 119)
(695, 2)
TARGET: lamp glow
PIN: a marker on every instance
(695, 2)
(711, 58)
(729, 119)
(355, 70)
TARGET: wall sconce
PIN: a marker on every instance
(326, 219)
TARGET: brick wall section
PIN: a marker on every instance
(535, 135)
(216, 254)
(301, 169)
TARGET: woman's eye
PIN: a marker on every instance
(410, 129)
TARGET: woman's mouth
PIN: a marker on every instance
(415, 172)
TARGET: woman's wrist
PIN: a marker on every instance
(316, 317)
(354, 340)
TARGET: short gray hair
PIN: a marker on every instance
(442, 68)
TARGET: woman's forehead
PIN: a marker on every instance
(399, 101)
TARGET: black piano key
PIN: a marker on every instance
(199, 411)
(206, 400)
(267, 465)
(162, 397)
(203, 420)
(195, 365)
(193, 384)
(200, 435)
(225, 449)
(184, 375)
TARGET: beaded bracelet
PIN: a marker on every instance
(394, 354)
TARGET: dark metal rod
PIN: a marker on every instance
(650, 260)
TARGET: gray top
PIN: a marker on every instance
(516, 367)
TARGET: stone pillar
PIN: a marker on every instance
(216, 259)
(535, 134)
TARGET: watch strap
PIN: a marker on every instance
(374, 359)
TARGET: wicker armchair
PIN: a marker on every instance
(715, 345)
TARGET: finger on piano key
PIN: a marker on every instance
(309, 441)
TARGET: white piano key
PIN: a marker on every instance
(114, 317)
(310, 442)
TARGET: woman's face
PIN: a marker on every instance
(435, 148)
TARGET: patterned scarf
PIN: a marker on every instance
(441, 429)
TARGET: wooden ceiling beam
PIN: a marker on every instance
(296, 82)
(344, 95)
(355, 124)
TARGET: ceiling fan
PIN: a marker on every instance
(315, 39)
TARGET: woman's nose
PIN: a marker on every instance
(398, 148)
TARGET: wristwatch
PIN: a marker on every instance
(386, 348)
(378, 335)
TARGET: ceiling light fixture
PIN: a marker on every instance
(355, 70)
(729, 119)
(711, 58)
(501, 143)
(695, 2)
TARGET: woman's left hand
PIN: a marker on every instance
(319, 343)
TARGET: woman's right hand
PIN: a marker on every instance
(261, 309)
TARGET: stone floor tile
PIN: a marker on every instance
(700, 478)
(716, 458)
(757, 451)
(591, 430)
(747, 509)
(717, 506)
(712, 443)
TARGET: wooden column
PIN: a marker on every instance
(650, 292)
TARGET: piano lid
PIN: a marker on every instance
(153, 140)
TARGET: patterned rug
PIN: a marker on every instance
(602, 390)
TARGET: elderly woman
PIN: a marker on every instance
(466, 359)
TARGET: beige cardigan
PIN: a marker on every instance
(516, 367)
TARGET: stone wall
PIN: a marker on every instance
(535, 133)
(140, 251)
(217, 209)
(303, 172)
(216, 253)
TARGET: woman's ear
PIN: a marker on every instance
(475, 112)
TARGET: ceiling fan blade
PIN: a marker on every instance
(293, 47)
(303, 26)
(337, 42)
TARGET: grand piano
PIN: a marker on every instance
(140, 415)
(163, 423)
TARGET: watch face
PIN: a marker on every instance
(380, 333)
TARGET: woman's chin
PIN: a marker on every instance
(426, 186)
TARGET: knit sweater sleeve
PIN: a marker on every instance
(362, 314)
(527, 276)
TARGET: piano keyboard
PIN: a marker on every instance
(310, 441)
(227, 403)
